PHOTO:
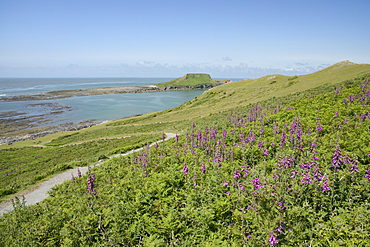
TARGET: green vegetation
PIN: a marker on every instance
(24, 167)
(191, 80)
(256, 164)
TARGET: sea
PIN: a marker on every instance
(97, 108)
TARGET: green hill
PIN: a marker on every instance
(241, 93)
(195, 80)
(274, 161)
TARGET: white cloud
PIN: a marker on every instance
(153, 69)
(145, 63)
(226, 59)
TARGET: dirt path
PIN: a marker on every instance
(40, 192)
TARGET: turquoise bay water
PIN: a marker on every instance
(114, 106)
(96, 107)
(25, 86)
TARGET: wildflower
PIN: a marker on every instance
(286, 162)
(224, 134)
(242, 187)
(225, 183)
(337, 159)
(260, 144)
(293, 174)
(73, 179)
(318, 127)
(317, 174)
(79, 173)
(91, 186)
(195, 183)
(272, 240)
(325, 186)
(246, 172)
(351, 98)
(295, 128)
(281, 228)
(283, 138)
(367, 175)
(203, 169)
(313, 145)
(306, 179)
(354, 162)
(282, 206)
(213, 134)
(228, 193)
(251, 136)
(186, 169)
(199, 137)
(237, 174)
(256, 183)
(266, 152)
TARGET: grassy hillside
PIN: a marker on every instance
(227, 96)
(271, 161)
(191, 80)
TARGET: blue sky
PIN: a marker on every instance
(168, 38)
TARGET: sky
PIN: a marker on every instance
(169, 38)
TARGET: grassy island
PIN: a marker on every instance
(195, 80)
(274, 161)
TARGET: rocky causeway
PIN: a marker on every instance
(60, 94)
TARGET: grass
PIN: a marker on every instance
(190, 80)
(25, 167)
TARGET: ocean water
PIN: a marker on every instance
(26, 86)
(96, 107)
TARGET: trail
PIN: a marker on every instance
(40, 192)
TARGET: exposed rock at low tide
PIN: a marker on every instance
(94, 91)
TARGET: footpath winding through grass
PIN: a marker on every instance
(40, 192)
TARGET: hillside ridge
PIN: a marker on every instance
(191, 80)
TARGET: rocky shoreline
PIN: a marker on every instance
(34, 133)
(31, 134)
(60, 94)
